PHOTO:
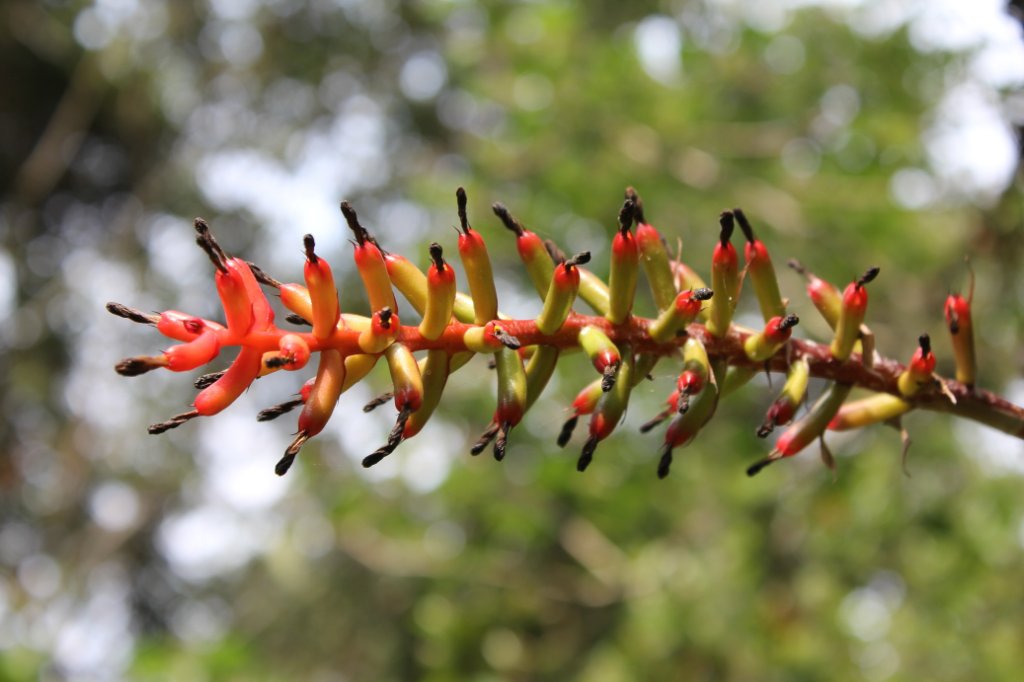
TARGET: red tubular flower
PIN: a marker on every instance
(242, 372)
(194, 353)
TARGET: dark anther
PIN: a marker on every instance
(954, 322)
(133, 367)
(609, 375)
(208, 244)
(297, 319)
(506, 339)
(362, 236)
(461, 200)
(262, 277)
(276, 361)
(285, 463)
(377, 402)
(764, 429)
(385, 317)
(658, 418)
(579, 259)
(587, 454)
(755, 468)
(725, 220)
(925, 342)
(684, 403)
(741, 218)
(702, 294)
(665, 462)
(506, 218)
(638, 205)
(868, 276)
(131, 314)
(310, 245)
(485, 439)
(789, 321)
(555, 253)
(567, 428)
(437, 253)
(208, 379)
(277, 410)
(797, 266)
(394, 439)
(172, 423)
(626, 215)
(501, 442)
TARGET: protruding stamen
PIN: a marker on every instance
(506, 339)
(378, 401)
(868, 276)
(310, 245)
(206, 241)
(485, 439)
(461, 200)
(587, 455)
(285, 463)
(725, 221)
(506, 218)
(133, 367)
(567, 428)
(360, 232)
(501, 442)
(437, 255)
(208, 379)
(788, 322)
(638, 204)
(626, 215)
(702, 294)
(277, 410)
(131, 313)
(609, 375)
(298, 319)
(665, 462)
(394, 439)
(658, 419)
(172, 423)
(748, 230)
(580, 258)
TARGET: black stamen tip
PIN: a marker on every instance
(925, 342)
(567, 428)
(587, 455)
(748, 230)
(609, 376)
(208, 379)
(131, 313)
(501, 442)
(437, 255)
(284, 464)
(506, 218)
(297, 319)
(868, 276)
(626, 215)
(133, 367)
(665, 463)
(385, 316)
(726, 224)
(580, 258)
(789, 321)
(703, 294)
(755, 468)
(462, 201)
(638, 210)
(310, 245)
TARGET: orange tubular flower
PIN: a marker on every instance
(322, 292)
(370, 263)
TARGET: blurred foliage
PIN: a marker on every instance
(183, 557)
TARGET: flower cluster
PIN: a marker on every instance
(694, 326)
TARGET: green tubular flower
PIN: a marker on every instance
(512, 397)
(531, 248)
(809, 427)
(674, 319)
(684, 427)
(477, 264)
(565, 283)
(610, 409)
(434, 374)
(603, 354)
(793, 392)
(653, 257)
(880, 407)
(725, 279)
(851, 315)
(538, 372)
(766, 343)
(824, 295)
(440, 295)
(625, 262)
(761, 271)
